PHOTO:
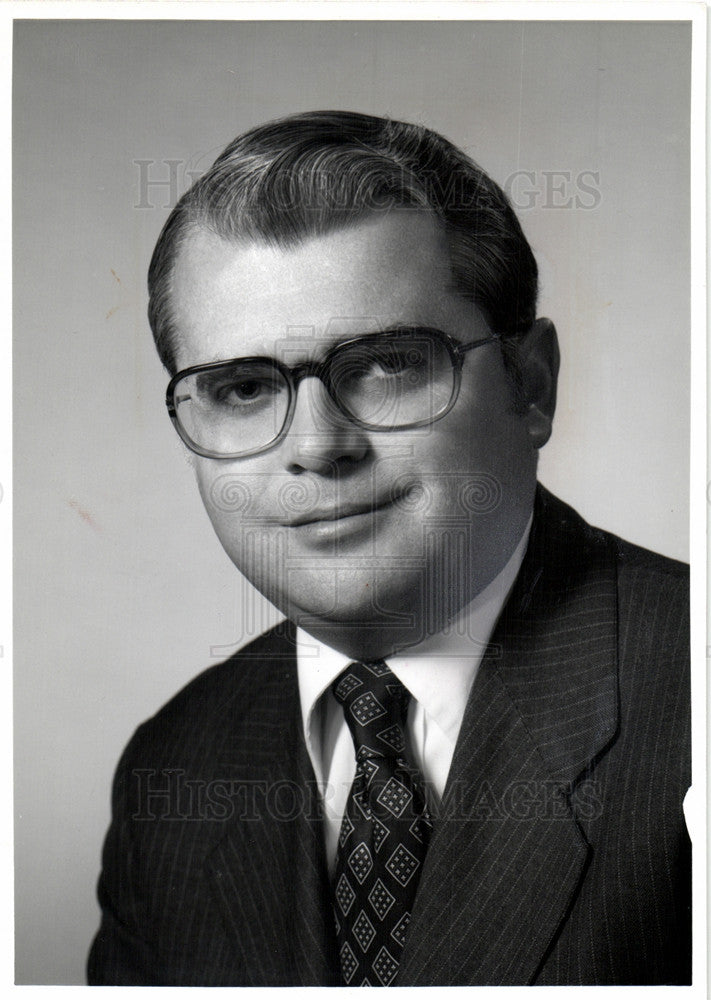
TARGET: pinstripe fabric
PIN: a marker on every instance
(559, 856)
(206, 892)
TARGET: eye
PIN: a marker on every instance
(405, 361)
(240, 387)
(400, 358)
(245, 391)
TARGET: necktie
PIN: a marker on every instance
(385, 831)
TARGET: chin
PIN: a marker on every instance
(351, 599)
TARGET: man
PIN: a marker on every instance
(462, 759)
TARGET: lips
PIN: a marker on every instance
(339, 512)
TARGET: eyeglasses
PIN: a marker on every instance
(395, 380)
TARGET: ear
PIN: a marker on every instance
(539, 361)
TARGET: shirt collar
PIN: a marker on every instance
(438, 672)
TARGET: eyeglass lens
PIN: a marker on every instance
(384, 384)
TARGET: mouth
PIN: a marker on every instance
(340, 512)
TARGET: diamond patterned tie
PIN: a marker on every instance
(385, 831)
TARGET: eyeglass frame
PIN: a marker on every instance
(294, 375)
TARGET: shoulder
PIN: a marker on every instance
(646, 594)
(654, 612)
(654, 622)
(637, 604)
(648, 604)
(640, 565)
(218, 701)
(634, 564)
(234, 679)
(648, 583)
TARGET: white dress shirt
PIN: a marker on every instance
(438, 673)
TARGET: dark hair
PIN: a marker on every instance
(312, 173)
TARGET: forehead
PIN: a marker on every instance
(237, 298)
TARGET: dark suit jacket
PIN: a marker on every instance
(560, 855)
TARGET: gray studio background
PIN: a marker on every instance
(122, 593)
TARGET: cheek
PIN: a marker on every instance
(231, 500)
(253, 493)
(476, 444)
(235, 503)
(475, 483)
(245, 489)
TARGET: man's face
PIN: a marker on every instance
(368, 539)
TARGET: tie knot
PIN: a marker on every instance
(374, 703)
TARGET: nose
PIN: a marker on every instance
(321, 439)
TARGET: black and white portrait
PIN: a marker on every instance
(352, 423)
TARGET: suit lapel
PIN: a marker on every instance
(315, 956)
(507, 856)
(268, 870)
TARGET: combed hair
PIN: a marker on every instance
(311, 173)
